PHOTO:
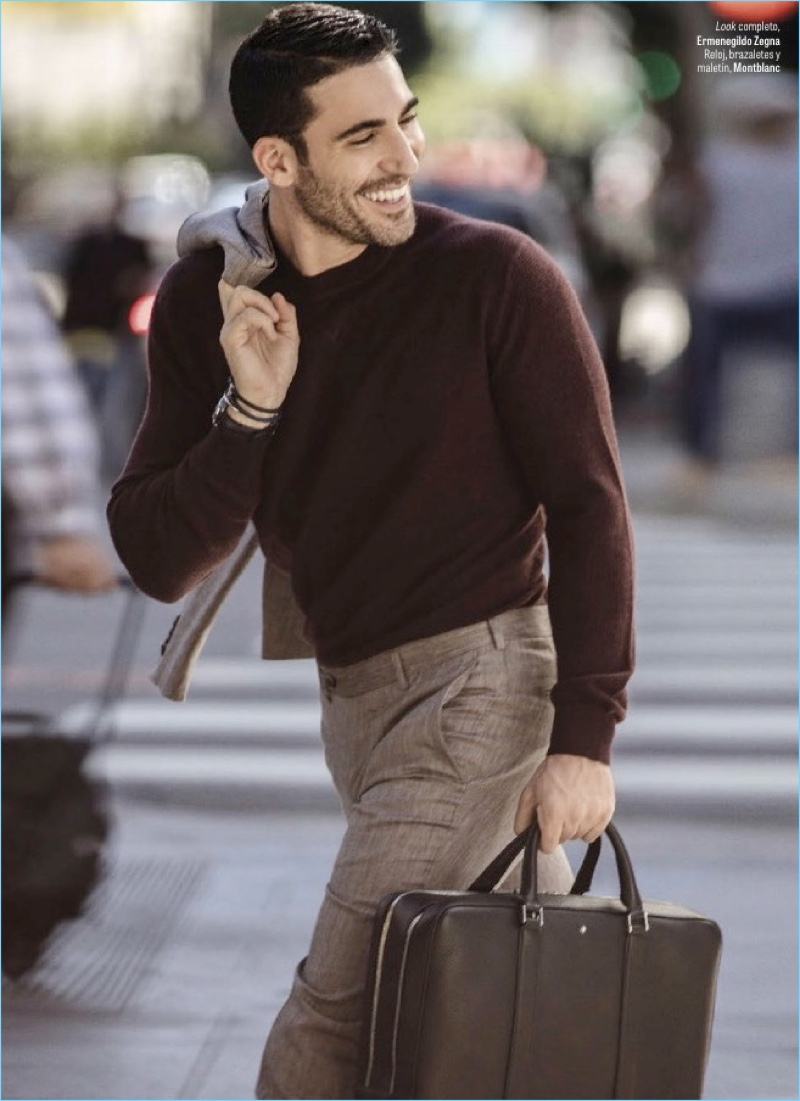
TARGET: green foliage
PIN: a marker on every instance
(90, 140)
(557, 115)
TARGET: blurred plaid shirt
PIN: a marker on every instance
(50, 448)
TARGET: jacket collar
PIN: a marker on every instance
(240, 232)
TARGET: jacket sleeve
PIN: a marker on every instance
(188, 490)
(551, 394)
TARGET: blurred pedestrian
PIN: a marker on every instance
(744, 290)
(106, 269)
(53, 822)
(51, 491)
(403, 406)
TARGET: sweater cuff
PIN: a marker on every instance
(230, 429)
(582, 731)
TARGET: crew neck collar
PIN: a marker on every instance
(349, 274)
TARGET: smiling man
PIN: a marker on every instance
(414, 416)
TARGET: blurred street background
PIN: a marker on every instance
(669, 195)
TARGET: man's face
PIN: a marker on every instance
(364, 146)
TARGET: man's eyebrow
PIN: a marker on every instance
(374, 124)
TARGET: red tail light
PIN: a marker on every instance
(760, 11)
(139, 314)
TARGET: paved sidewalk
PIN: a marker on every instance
(167, 987)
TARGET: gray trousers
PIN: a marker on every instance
(429, 746)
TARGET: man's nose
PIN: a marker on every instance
(403, 155)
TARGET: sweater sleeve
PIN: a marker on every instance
(51, 447)
(551, 394)
(188, 490)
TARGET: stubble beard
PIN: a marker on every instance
(330, 209)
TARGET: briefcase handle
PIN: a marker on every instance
(529, 841)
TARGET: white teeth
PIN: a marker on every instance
(393, 196)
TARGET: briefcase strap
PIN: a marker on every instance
(633, 993)
(493, 873)
(529, 955)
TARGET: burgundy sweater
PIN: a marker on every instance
(449, 405)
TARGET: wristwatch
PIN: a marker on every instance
(218, 417)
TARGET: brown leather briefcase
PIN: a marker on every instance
(488, 995)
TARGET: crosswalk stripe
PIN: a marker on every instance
(219, 765)
(676, 556)
(766, 728)
(683, 561)
(726, 726)
(682, 777)
(702, 531)
(243, 673)
(667, 656)
(671, 617)
(202, 719)
(713, 678)
(768, 594)
(667, 644)
(686, 777)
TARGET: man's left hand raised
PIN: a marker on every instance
(573, 798)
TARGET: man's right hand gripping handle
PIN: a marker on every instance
(261, 342)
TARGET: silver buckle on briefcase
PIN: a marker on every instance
(532, 911)
(642, 923)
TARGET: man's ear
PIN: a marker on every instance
(276, 159)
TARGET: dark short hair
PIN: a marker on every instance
(296, 46)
